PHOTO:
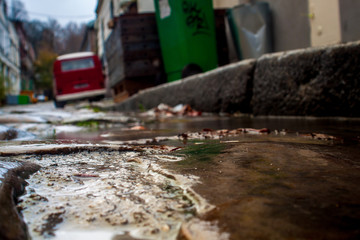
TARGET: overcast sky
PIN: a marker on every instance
(65, 11)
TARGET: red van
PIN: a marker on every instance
(78, 76)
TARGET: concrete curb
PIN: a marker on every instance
(315, 81)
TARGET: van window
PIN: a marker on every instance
(77, 64)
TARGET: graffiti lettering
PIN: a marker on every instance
(195, 17)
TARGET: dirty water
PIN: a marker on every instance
(219, 185)
(86, 123)
(44, 122)
(114, 193)
(179, 178)
(278, 187)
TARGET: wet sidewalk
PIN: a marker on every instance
(177, 178)
(279, 187)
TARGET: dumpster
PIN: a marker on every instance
(133, 54)
(23, 99)
(12, 99)
(251, 28)
(187, 36)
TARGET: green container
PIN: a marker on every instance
(23, 99)
(187, 36)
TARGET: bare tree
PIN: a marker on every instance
(58, 32)
(34, 32)
(18, 11)
(73, 35)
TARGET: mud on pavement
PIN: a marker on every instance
(108, 192)
(13, 174)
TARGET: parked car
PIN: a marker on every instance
(41, 98)
(78, 76)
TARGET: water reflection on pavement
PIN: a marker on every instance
(297, 180)
(279, 187)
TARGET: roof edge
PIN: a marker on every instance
(75, 55)
(98, 7)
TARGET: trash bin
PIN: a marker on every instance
(251, 28)
(23, 99)
(187, 36)
(12, 99)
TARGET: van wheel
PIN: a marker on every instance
(191, 69)
(59, 104)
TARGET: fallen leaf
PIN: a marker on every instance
(137, 128)
(85, 175)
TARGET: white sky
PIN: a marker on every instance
(64, 11)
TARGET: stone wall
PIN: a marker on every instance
(315, 81)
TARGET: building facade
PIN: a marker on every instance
(9, 53)
(27, 58)
(106, 10)
(89, 42)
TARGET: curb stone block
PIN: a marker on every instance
(316, 81)
(321, 81)
(226, 89)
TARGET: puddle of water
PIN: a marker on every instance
(256, 187)
(75, 234)
(10, 133)
(279, 187)
(333, 126)
(345, 128)
(5, 165)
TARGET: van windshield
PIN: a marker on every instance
(77, 64)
